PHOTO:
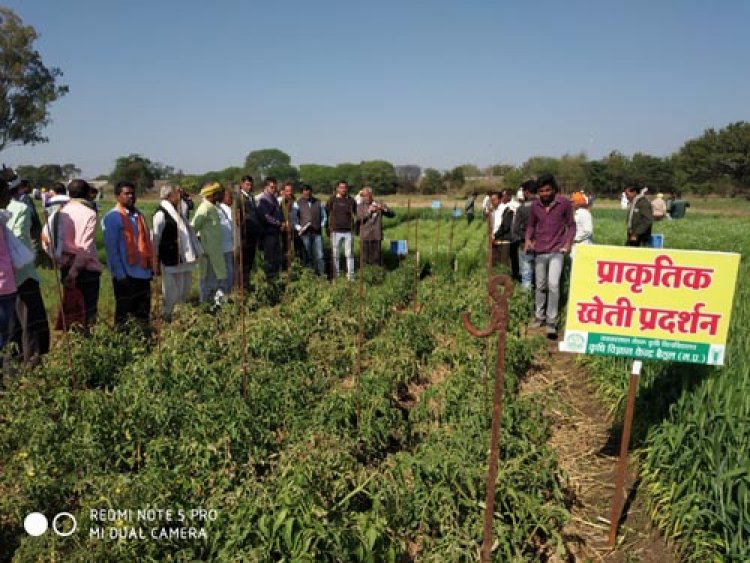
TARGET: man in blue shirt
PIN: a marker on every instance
(129, 256)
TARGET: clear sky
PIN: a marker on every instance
(436, 83)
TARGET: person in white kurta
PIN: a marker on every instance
(583, 219)
(175, 265)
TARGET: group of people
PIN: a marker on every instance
(220, 240)
(533, 231)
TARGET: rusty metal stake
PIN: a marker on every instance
(498, 323)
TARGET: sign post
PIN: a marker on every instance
(648, 304)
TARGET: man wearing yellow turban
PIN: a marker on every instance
(207, 226)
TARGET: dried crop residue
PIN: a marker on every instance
(409, 394)
(581, 437)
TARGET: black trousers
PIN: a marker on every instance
(501, 255)
(132, 299)
(514, 265)
(272, 254)
(31, 326)
(88, 283)
(371, 253)
(249, 246)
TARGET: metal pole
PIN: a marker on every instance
(622, 464)
(499, 324)
(241, 224)
(416, 267)
(157, 323)
(436, 242)
(450, 238)
(360, 320)
(490, 218)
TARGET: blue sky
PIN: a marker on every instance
(436, 83)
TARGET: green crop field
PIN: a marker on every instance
(257, 416)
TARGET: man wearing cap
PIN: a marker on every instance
(129, 257)
(250, 227)
(207, 226)
(271, 219)
(583, 219)
(309, 219)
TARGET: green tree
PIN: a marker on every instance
(539, 165)
(499, 169)
(380, 175)
(27, 87)
(408, 176)
(136, 169)
(571, 172)
(596, 176)
(513, 177)
(431, 182)
(319, 176)
(617, 172)
(70, 171)
(716, 161)
(45, 175)
(470, 170)
(350, 173)
(270, 162)
(652, 171)
(454, 179)
(227, 177)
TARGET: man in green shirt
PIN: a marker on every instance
(207, 226)
(31, 327)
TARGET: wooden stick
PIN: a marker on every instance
(157, 323)
(56, 267)
(416, 267)
(622, 464)
(243, 332)
(360, 322)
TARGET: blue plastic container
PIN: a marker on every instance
(656, 241)
(399, 247)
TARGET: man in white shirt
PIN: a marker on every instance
(228, 239)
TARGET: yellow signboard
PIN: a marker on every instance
(650, 304)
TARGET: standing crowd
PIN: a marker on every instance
(532, 233)
(534, 230)
(220, 241)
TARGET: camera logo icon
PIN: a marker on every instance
(36, 524)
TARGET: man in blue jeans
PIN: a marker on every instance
(309, 220)
(549, 235)
(518, 234)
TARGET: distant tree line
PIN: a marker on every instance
(717, 162)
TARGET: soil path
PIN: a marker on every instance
(588, 453)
